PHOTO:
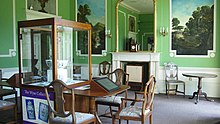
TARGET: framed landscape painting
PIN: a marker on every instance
(92, 12)
(131, 23)
(192, 28)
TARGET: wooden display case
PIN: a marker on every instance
(47, 52)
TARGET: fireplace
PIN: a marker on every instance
(118, 59)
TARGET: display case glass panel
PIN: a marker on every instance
(36, 48)
(46, 52)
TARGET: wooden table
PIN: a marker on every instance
(199, 91)
(85, 99)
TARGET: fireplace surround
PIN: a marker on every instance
(153, 58)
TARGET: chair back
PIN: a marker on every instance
(171, 71)
(104, 68)
(148, 94)
(58, 88)
(0, 75)
(120, 76)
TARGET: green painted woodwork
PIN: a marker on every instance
(6, 27)
(122, 34)
(67, 11)
(6, 34)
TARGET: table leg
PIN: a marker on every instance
(92, 109)
(197, 98)
(199, 92)
(211, 100)
(193, 95)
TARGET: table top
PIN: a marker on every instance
(200, 75)
(91, 93)
(5, 83)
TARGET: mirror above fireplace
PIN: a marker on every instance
(135, 21)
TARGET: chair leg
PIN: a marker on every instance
(184, 90)
(16, 113)
(97, 118)
(116, 113)
(168, 90)
(111, 110)
(16, 100)
(142, 122)
(113, 119)
(151, 120)
(176, 89)
(96, 106)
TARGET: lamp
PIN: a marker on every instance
(163, 32)
(108, 34)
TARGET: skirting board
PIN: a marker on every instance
(210, 85)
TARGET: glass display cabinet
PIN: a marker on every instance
(46, 51)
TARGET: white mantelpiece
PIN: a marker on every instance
(152, 58)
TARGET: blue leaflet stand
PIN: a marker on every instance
(35, 107)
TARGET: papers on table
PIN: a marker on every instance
(85, 87)
(42, 83)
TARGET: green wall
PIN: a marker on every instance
(67, 11)
(146, 29)
(6, 33)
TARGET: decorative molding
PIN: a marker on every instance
(211, 54)
(125, 25)
(12, 52)
(31, 14)
(129, 7)
(118, 58)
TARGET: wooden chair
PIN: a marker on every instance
(60, 115)
(171, 79)
(6, 105)
(138, 113)
(9, 91)
(104, 68)
(114, 101)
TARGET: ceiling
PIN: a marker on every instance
(140, 6)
